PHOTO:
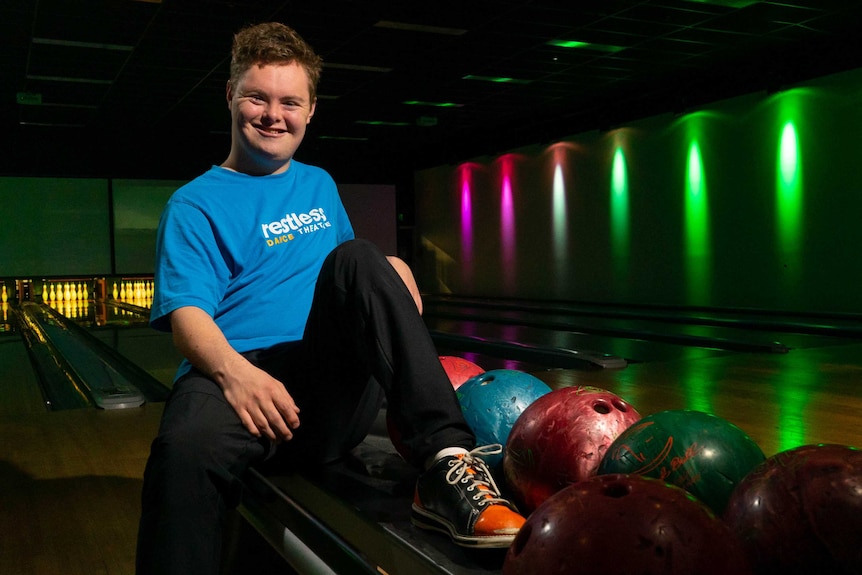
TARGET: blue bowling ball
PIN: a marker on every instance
(493, 401)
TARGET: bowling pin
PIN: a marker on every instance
(122, 291)
(53, 295)
(4, 296)
(116, 293)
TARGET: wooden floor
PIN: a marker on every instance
(780, 400)
(70, 481)
(70, 485)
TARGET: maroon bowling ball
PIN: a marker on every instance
(624, 525)
(560, 439)
(800, 511)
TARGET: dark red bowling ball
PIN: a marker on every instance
(800, 511)
(560, 439)
(624, 525)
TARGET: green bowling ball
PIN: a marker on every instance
(702, 453)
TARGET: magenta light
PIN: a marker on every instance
(466, 217)
(507, 223)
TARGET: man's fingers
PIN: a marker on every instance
(249, 424)
(266, 409)
(289, 413)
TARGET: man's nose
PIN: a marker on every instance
(272, 112)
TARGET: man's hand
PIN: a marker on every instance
(262, 403)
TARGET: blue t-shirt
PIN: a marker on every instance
(247, 250)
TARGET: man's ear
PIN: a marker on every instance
(311, 111)
(229, 92)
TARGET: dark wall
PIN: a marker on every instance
(96, 226)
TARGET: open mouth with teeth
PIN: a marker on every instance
(272, 131)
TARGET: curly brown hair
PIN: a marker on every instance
(273, 42)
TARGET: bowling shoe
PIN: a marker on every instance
(457, 496)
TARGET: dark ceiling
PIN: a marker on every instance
(130, 88)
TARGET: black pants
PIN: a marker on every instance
(364, 338)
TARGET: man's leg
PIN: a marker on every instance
(192, 479)
(364, 322)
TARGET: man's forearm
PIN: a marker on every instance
(202, 342)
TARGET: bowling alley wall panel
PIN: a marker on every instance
(55, 227)
(752, 202)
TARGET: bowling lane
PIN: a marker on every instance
(735, 331)
(635, 340)
(125, 329)
(631, 349)
(831, 324)
(71, 489)
(152, 351)
(103, 376)
(782, 401)
(20, 387)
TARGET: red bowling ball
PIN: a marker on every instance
(800, 511)
(560, 439)
(459, 369)
(624, 525)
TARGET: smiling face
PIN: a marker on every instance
(270, 104)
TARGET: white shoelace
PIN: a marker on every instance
(470, 469)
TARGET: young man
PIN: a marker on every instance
(292, 332)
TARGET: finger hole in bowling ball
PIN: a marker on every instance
(487, 380)
(621, 405)
(616, 490)
(601, 407)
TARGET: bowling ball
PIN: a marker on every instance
(800, 511)
(459, 369)
(624, 525)
(697, 451)
(560, 439)
(493, 401)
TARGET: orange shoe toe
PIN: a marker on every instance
(498, 520)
